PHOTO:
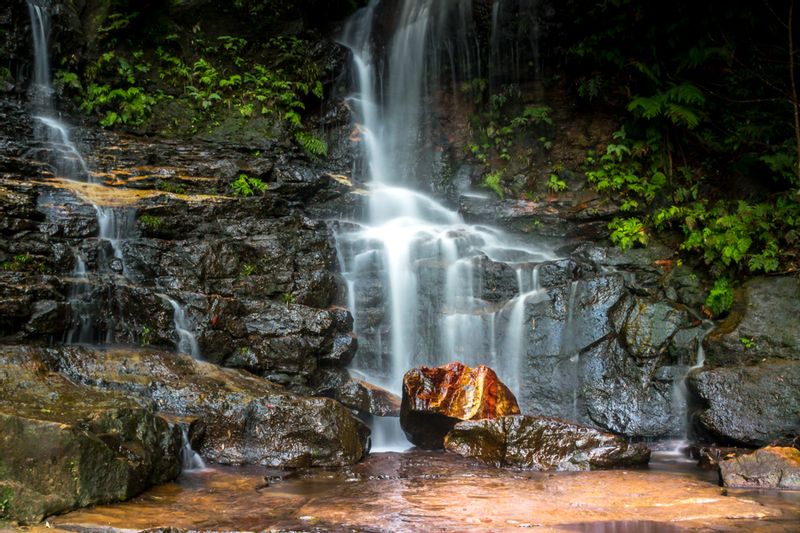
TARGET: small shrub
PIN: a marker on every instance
(151, 222)
(288, 298)
(627, 232)
(556, 184)
(311, 144)
(246, 186)
(492, 181)
(168, 186)
(247, 270)
(720, 298)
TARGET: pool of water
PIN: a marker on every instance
(436, 491)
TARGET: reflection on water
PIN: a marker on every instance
(436, 491)
(624, 526)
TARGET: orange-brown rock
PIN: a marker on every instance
(436, 398)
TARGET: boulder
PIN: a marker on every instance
(64, 446)
(767, 468)
(436, 398)
(747, 405)
(367, 398)
(541, 443)
(765, 315)
(239, 418)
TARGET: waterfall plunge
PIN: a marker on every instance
(424, 254)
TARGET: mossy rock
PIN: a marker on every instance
(64, 446)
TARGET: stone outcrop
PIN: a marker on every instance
(238, 418)
(765, 315)
(434, 399)
(540, 443)
(367, 398)
(749, 405)
(767, 468)
(64, 446)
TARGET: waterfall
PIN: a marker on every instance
(420, 253)
(187, 340)
(190, 459)
(116, 225)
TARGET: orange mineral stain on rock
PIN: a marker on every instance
(458, 391)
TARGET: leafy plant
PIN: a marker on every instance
(145, 336)
(720, 298)
(288, 298)
(747, 342)
(168, 186)
(493, 181)
(628, 232)
(311, 144)
(22, 263)
(556, 184)
(151, 222)
(247, 270)
(246, 186)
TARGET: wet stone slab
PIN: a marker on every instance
(434, 491)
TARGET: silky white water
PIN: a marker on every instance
(421, 254)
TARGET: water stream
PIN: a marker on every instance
(419, 253)
(116, 225)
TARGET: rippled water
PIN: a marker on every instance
(430, 491)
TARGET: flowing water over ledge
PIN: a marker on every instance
(434, 491)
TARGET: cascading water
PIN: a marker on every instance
(116, 225)
(421, 255)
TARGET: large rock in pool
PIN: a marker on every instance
(436, 398)
(749, 405)
(367, 398)
(239, 418)
(767, 468)
(540, 443)
(64, 446)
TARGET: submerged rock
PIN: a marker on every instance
(239, 418)
(64, 446)
(750, 405)
(435, 398)
(767, 468)
(367, 398)
(541, 443)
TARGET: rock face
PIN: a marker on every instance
(434, 399)
(767, 468)
(750, 405)
(64, 446)
(540, 443)
(766, 315)
(238, 418)
(367, 398)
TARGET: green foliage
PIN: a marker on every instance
(680, 104)
(288, 298)
(23, 263)
(145, 336)
(311, 144)
(747, 342)
(720, 298)
(6, 498)
(246, 186)
(556, 184)
(493, 181)
(247, 270)
(168, 186)
(628, 232)
(151, 222)
(627, 170)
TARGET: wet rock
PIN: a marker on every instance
(540, 443)
(627, 396)
(767, 468)
(434, 399)
(367, 398)
(749, 405)
(765, 315)
(64, 446)
(240, 418)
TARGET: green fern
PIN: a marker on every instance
(311, 144)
